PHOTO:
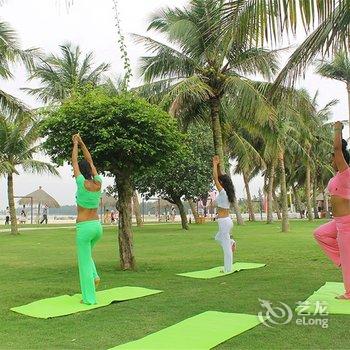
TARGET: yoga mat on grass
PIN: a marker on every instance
(216, 271)
(203, 331)
(66, 304)
(326, 296)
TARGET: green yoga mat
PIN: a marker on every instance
(326, 296)
(215, 272)
(203, 331)
(66, 304)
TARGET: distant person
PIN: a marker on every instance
(173, 214)
(23, 215)
(106, 217)
(89, 228)
(7, 216)
(112, 217)
(224, 200)
(44, 219)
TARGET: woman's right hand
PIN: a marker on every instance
(75, 139)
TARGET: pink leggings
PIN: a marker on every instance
(334, 239)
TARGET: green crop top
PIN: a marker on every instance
(87, 199)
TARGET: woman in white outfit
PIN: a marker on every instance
(224, 200)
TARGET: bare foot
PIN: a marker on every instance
(342, 297)
(97, 281)
(233, 246)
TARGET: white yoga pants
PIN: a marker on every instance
(224, 239)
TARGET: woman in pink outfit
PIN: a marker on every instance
(334, 237)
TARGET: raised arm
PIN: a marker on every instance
(338, 148)
(87, 155)
(75, 156)
(217, 172)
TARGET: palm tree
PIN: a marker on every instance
(64, 75)
(19, 142)
(338, 69)
(202, 65)
(285, 137)
(10, 53)
(328, 22)
(242, 140)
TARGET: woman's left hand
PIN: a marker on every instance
(338, 125)
(216, 160)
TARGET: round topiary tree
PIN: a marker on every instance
(125, 134)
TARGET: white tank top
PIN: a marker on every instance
(222, 200)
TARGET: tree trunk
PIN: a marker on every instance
(125, 192)
(348, 88)
(240, 220)
(137, 210)
(194, 210)
(277, 205)
(308, 191)
(249, 197)
(314, 200)
(182, 211)
(11, 199)
(285, 220)
(297, 201)
(216, 128)
(270, 195)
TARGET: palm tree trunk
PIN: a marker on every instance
(137, 210)
(194, 210)
(270, 194)
(216, 128)
(240, 220)
(182, 211)
(297, 200)
(125, 236)
(249, 197)
(285, 221)
(11, 199)
(348, 88)
(314, 196)
(277, 206)
(308, 191)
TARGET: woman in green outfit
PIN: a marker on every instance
(89, 228)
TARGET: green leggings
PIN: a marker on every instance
(88, 233)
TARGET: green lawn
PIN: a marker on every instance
(40, 264)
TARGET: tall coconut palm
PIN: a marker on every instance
(283, 138)
(242, 143)
(63, 75)
(327, 24)
(19, 142)
(203, 64)
(10, 53)
(338, 69)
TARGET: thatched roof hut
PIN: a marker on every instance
(39, 197)
(108, 201)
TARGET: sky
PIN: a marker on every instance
(46, 24)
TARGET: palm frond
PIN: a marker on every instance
(190, 90)
(331, 35)
(39, 167)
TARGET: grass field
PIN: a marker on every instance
(40, 264)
